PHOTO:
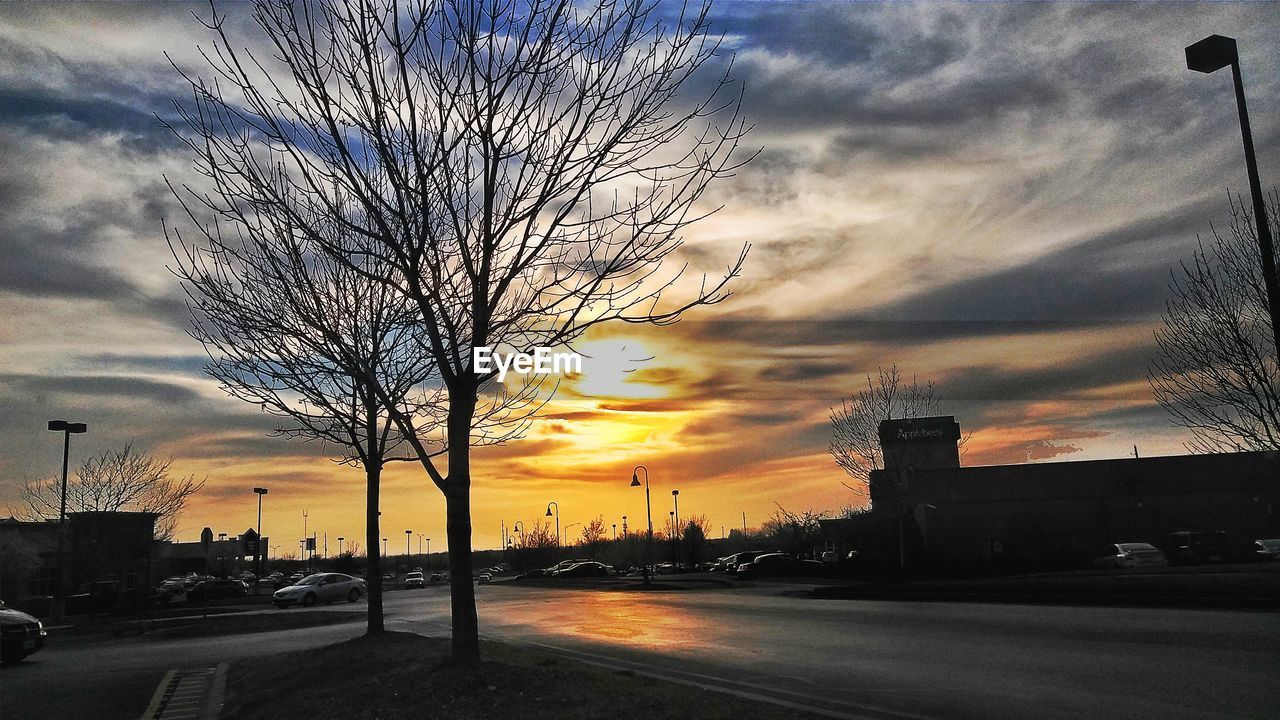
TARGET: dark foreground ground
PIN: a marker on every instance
(401, 675)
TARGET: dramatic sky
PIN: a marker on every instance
(989, 195)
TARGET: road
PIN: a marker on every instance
(852, 658)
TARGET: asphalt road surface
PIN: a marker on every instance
(873, 659)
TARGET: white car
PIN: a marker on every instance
(414, 579)
(321, 587)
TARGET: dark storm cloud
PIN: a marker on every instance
(783, 334)
(1117, 275)
(984, 383)
(97, 386)
(71, 118)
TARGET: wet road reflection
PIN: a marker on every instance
(899, 659)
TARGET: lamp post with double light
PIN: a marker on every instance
(257, 545)
(67, 429)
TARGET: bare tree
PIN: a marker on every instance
(1215, 368)
(307, 338)
(525, 167)
(594, 535)
(793, 532)
(694, 537)
(116, 480)
(855, 437)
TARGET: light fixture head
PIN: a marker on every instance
(1212, 53)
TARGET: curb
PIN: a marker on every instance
(217, 694)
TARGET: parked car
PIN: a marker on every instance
(439, 577)
(1266, 550)
(746, 556)
(779, 565)
(20, 635)
(584, 569)
(321, 587)
(1194, 548)
(484, 578)
(414, 580)
(1131, 555)
(217, 589)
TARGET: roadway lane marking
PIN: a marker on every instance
(182, 694)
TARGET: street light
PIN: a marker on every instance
(340, 541)
(407, 534)
(1209, 55)
(615, 531)
(67, 429)
(635, 482)
(553, 502)
(675, 523)
(420, 537)
(257, 545)
(384, 547)
(428, 554)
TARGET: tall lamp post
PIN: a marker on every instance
(553, 502)
(407, 534)
(1209, 55)
(675, 522)
(67, 429)
(428, 554)
(257, 546)
(648, 509)
(341, 539)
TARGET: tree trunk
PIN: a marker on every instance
(373, 476)
(462, 593)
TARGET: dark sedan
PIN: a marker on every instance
(779, 565)
(218, 590)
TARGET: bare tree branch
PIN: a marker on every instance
(1215, 369)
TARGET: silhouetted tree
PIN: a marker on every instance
(116, 480)
(791, 531)
(594, 534)
(694, 538)
(310, 339)
(1215, 369)
(524, 167)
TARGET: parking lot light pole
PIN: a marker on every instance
(675, 527)
(407, 535)
(340, 541)
(257, 546)
(67, 429)
(648, 509)
(1209, 55)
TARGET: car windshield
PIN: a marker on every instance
(311, 580)
(1137, 548)
(1271, 544)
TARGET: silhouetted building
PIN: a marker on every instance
(27, 559)
(1050, 515)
